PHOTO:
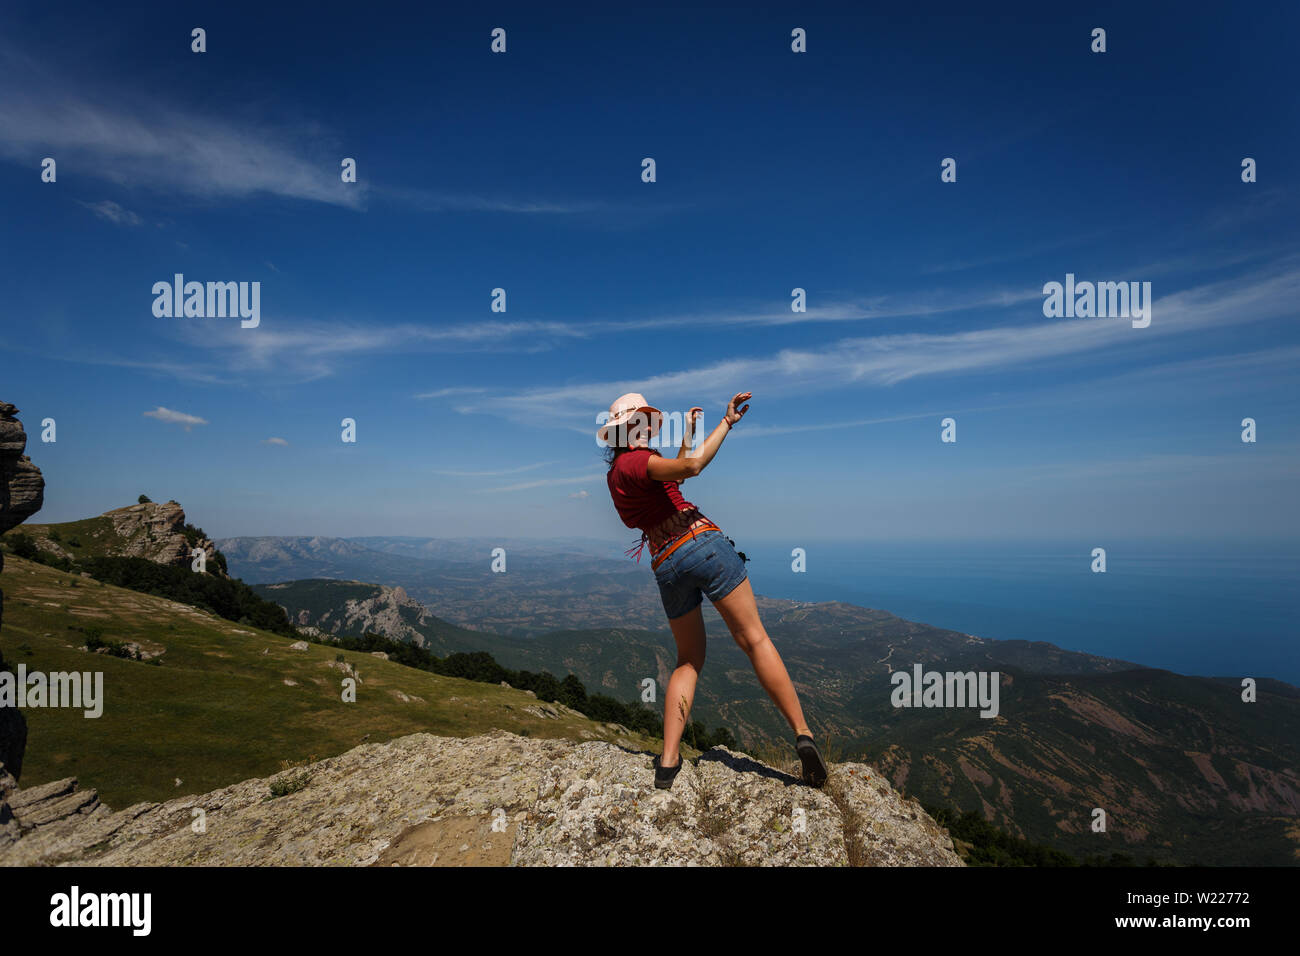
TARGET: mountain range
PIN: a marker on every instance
(1183, 768)
(574, 583)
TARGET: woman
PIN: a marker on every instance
(692, 558)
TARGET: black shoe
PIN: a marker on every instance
(664, 776)
(814, 768)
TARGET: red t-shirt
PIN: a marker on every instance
(642, 502)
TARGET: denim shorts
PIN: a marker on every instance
(705, 564)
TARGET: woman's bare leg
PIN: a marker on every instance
(741, 614)
(688, 632)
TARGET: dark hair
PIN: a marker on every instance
(613, 451)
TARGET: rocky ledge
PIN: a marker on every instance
(157, 532)
(151, 530)
(22, 811)
(22, 492)
(22, 489)
(500, 799)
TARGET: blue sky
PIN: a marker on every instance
(775, 170)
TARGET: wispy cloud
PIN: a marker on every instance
(309, 350)
(112, 212)
(139, 140)
(183, 371)
(297, 351)
(1023, 252)
(303, 351)
(764, 431)
(427, 200)
(454, 390)
(496, 474)
(274, 441)
(171, 150)
(175, 418)
(1161, 467)
(544, 483)
(888, 360)
(1256, 203)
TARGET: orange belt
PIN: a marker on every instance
(681, 539)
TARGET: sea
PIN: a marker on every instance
(1194, 607)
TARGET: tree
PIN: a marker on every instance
(572, 693)
(144, 500)
(22, 546)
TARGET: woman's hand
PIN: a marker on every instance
(688, 431)
(688, 466)
(692, 419)
(735, 414)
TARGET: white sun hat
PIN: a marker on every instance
(624, 409)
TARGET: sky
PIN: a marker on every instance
(774, 170)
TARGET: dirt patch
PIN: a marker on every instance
(974, 774)
(451, 841)
(88, 612)
(1205, 765)
(1094, 711)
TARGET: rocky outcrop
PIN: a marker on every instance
(389, 611)
(22, 488)
(507, 800)
(157, 532)
(33, 807)
(22, 492)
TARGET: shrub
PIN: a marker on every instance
(22, 546)
(290, 784)
(989, 846)
(95, 641)
(231, 599)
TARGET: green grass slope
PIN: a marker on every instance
(228, 701)
(87, 538)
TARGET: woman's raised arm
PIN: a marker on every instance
(679, 469)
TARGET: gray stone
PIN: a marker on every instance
(22, 488)
(22, 492)
(418, 799)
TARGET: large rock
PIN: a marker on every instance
(22, 488)
(157, 532)
(54, 802)
(390, 611)
(22, 492)
(503, 799)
